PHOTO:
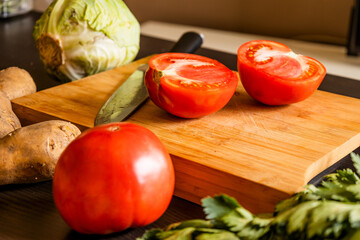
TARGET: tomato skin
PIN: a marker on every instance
(281, 81)
(112, 177)
(210, 89)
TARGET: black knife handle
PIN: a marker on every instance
(189, 42)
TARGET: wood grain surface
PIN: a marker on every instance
(256, 153)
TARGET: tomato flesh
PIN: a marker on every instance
(113, 177)
(274, 75)
(189, 85)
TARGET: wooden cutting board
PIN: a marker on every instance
(256, 153)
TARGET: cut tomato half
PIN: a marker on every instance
(189, 85)
(274, 75)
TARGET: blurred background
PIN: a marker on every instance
(325, 21)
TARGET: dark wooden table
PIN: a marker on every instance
(28, 211)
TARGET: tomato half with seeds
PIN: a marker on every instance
(274, 75)
(189, 85)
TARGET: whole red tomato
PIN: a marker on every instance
(189, 85)
(113, 177)
(274, 75)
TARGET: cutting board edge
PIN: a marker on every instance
(332, 157)
(194, 181)
(28, 116)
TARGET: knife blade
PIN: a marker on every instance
(133, 93)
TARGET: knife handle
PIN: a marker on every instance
(189, 42)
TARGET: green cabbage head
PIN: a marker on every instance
(78, 38)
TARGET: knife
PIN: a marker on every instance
(133, 93)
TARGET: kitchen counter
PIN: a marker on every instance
(28, 211)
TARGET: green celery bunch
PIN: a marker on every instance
(329, 211)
